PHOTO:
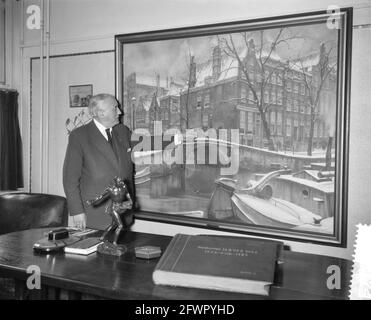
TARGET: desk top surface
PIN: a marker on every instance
(300, 276)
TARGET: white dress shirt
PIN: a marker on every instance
(102, 129)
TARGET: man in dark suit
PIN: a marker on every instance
(96, 153)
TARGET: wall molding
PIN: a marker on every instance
(70, 40)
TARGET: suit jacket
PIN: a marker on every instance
(90, 166)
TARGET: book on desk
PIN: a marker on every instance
(84, 247)
(219, 263)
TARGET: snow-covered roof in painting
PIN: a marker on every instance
(150, 81)
(229, 69)
(173, 91)
(272, 55)
(229, 66)
(305, 63)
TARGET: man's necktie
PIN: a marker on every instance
(109, 137)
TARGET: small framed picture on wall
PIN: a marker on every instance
(80, 95)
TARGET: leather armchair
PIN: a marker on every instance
(21, 211)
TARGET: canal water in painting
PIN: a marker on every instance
(183, 188)
(265, 195)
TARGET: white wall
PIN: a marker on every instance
(90, 25)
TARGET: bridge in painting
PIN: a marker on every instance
(248, 155)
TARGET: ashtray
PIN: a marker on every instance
(147, 252)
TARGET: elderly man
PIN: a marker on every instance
(96, 153)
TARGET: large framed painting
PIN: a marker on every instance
(242, 126)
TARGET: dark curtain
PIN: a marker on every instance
(11, 176)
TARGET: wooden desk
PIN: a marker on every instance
(301, 276)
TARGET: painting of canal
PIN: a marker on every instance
(246, 124)
(261, 194)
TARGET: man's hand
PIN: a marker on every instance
(79, 221)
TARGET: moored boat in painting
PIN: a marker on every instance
(309, 189)
(270, 212)
(302, 201)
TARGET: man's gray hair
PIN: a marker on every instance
(96, 99)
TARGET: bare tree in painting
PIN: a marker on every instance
(258, 62)
(156, 112)
(190, 84)
(314, 83)
(190, 80)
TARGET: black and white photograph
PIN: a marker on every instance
(80, 95)
(185, 157)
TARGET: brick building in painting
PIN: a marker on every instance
(219, 97)
(151, 99)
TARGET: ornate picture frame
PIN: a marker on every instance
(249, 123)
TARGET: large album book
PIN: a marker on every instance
(219, 263)
(85, 246)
